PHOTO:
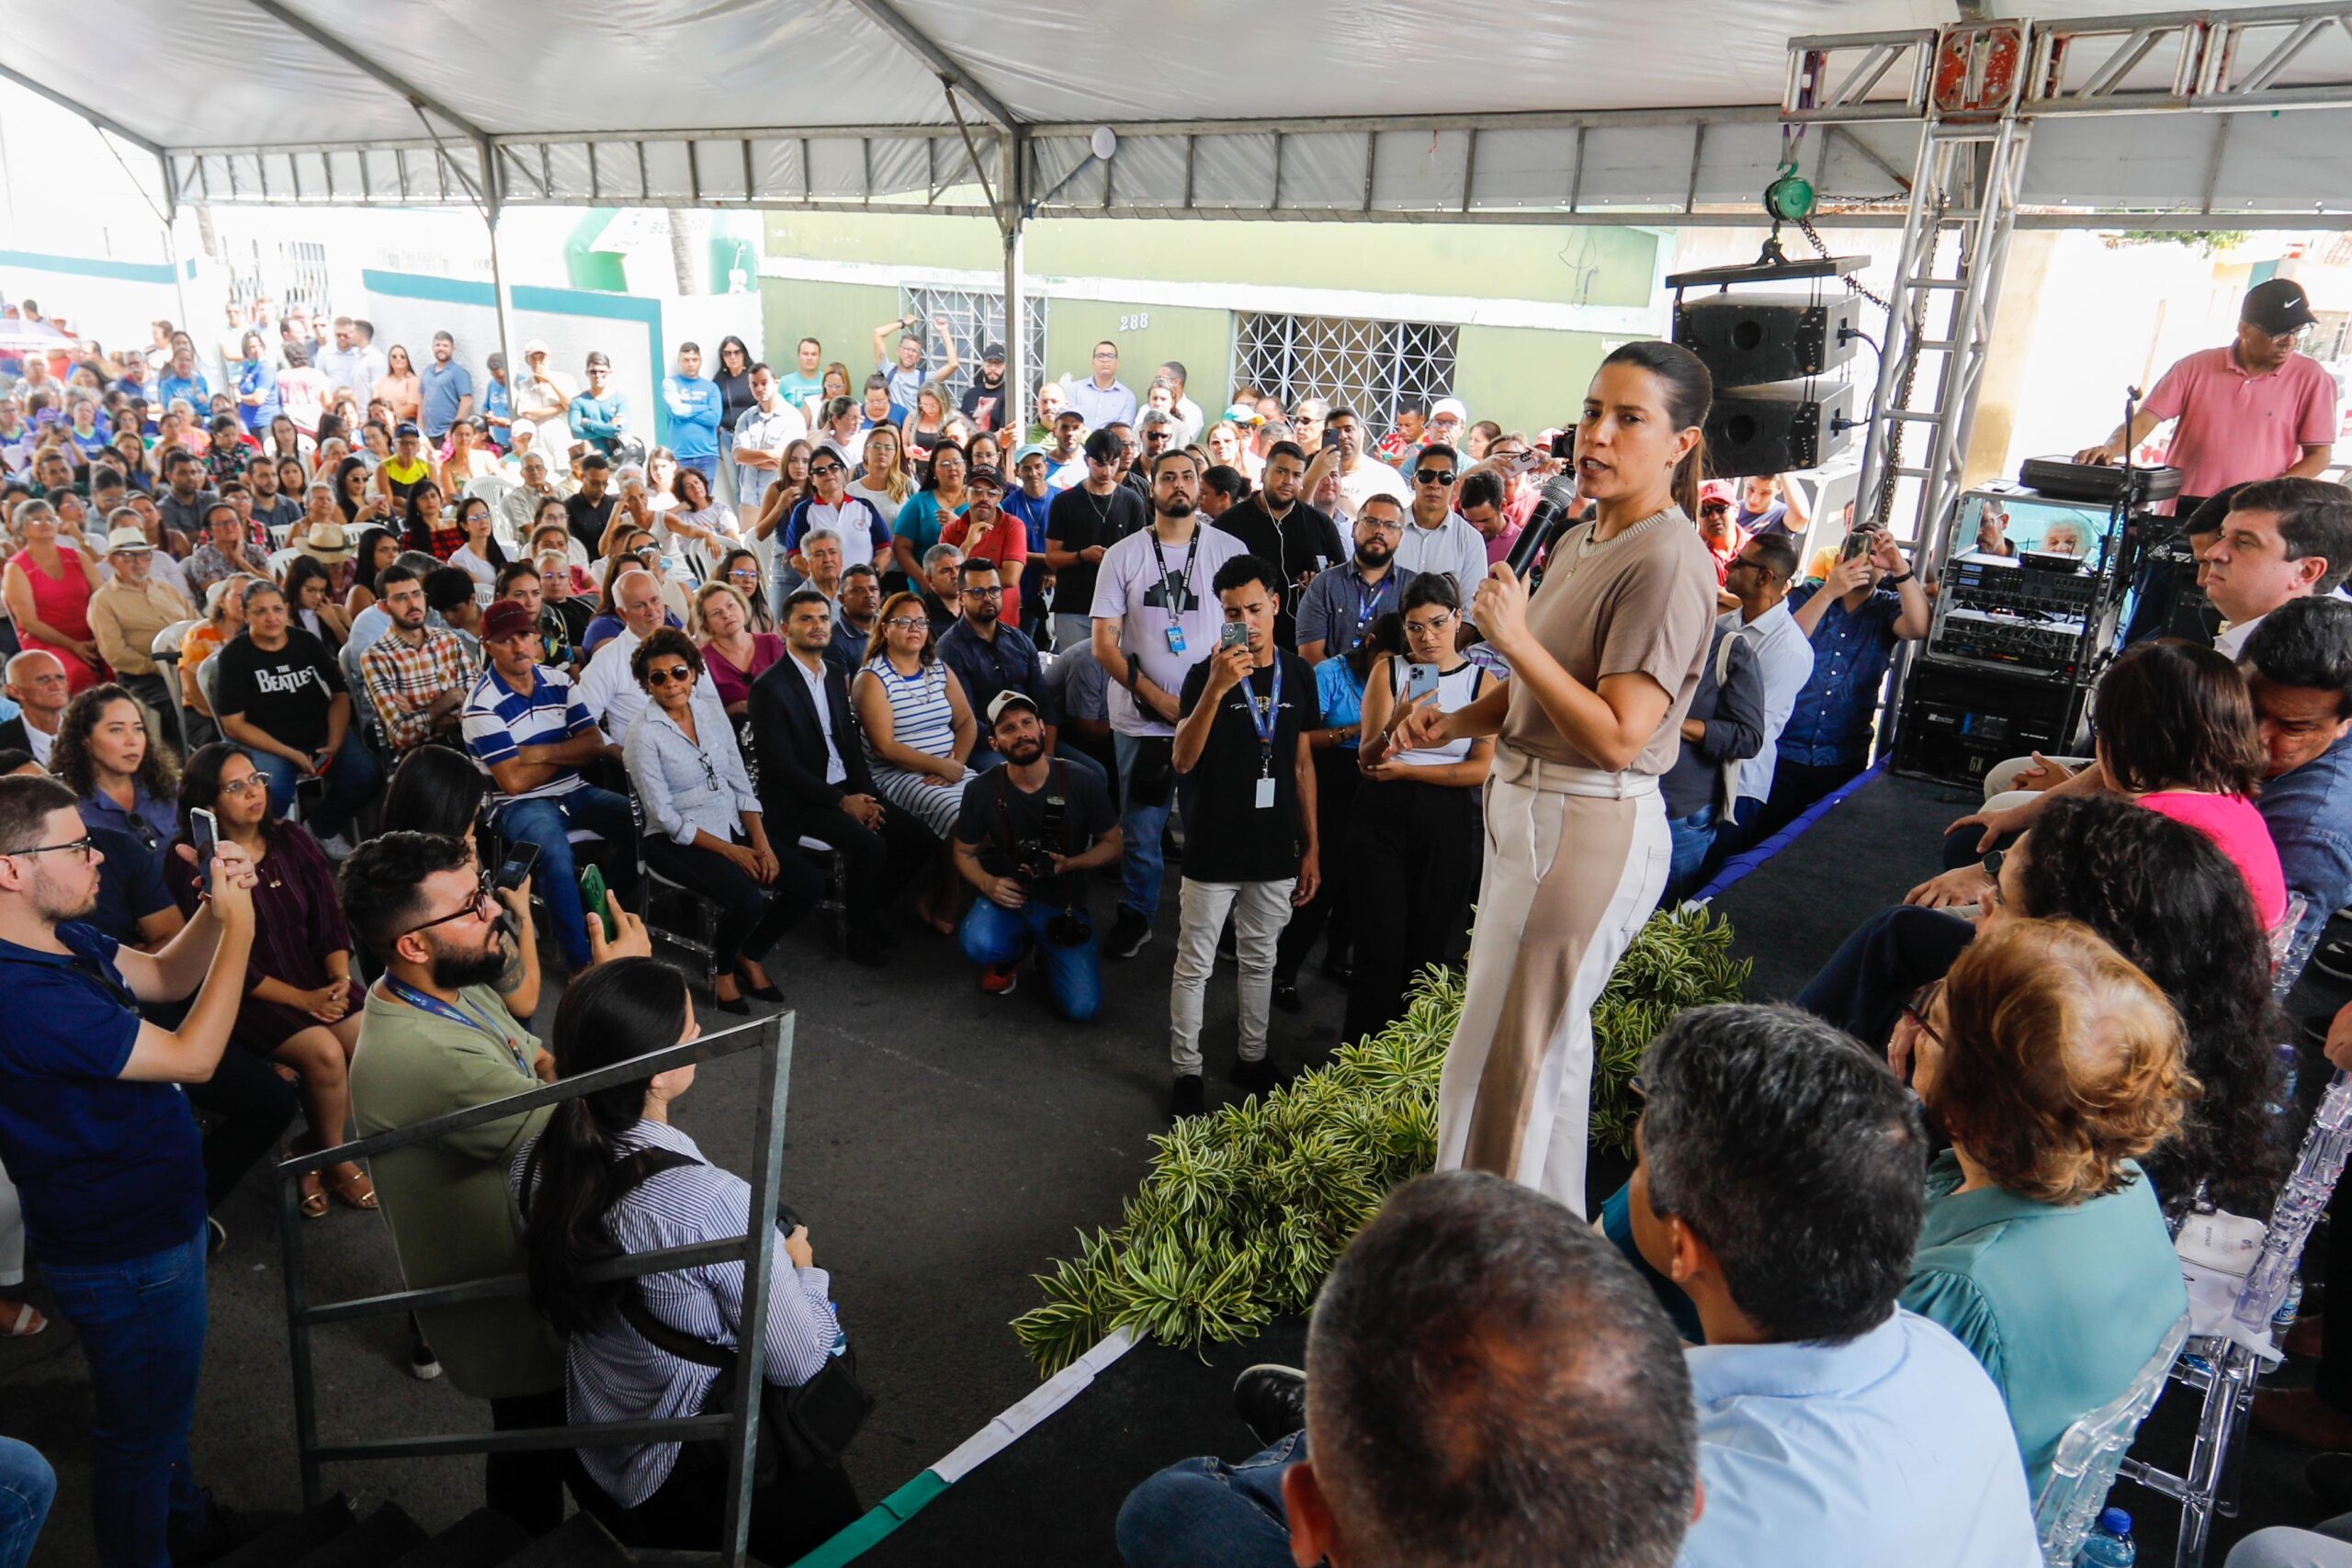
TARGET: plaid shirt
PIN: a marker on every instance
(403, 682)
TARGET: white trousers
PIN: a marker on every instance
(12, 1234)
(1570, 880)
(1261, 910)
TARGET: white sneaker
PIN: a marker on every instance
(337, 846)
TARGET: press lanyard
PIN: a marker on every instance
(1368, 603)
(1177, 583)
(440, 1008)
(1264, 713)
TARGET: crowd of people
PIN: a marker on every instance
(334, 691)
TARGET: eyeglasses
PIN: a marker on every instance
(904, 623)
(1923, 1003)
(245, 786)
(85, 845)
(995, 592)
(1434, 476)
(743, 574)
(1380, 524)
(1430, 627)
(484, 901)
(677, 673)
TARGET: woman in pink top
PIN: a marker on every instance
(48, 586)
(2175, 733)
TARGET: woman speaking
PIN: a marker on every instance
(1602, 664)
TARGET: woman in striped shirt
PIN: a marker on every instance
(611, 1177)
(918, 724)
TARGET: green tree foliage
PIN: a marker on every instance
(1245, 1210)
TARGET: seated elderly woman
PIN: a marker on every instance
(703, 826)
(2177, 734)
(2052, 1065)
(2166, 898)
(611, 1175)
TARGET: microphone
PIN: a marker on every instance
(1556, 508)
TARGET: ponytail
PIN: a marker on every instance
(1690, 392)
(576, 1172)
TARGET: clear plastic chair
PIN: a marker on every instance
(2224, 1369)
(2089, 1452)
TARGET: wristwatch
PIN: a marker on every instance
(1899, 582)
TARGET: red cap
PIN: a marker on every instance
(1714, 489)
(505, 619)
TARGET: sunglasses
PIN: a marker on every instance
(817, 471)
(677, 673)
(1434, 476)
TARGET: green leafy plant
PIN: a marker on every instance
(1245, 1210)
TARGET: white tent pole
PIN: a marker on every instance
(172, 235)
(916, 42)
(493, 207)
(367, 64)
(1016, 310)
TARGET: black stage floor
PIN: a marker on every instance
(947, 1146)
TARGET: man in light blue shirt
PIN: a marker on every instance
(448, 393)
(1758, 577)
(1782, 1185)
(1102, 399)
(694, 404)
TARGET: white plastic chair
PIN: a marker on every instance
(165, 651)
(2082, 1471)
(2224, 1368)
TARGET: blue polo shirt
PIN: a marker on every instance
(1852, 649)
(1018, 503)
(2309, 813)
(108, 1170)
(446, 386)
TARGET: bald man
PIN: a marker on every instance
(39, 685)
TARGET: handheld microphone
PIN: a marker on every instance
(1556, 508)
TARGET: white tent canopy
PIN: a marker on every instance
(1537, 111)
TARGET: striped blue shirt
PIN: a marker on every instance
(922, 718)
(611, 1373)
(500, 721)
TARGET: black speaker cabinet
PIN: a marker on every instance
(1957, 724)
(1772, 429)
(1744, 339)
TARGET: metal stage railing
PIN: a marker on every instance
(755, 1249)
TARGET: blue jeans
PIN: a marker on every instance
(142, 1326)
(994, 935)
(1141, 862)
(548, 823)
(353, 778)
(1203, 1512)
(708, 468)
(1693, 836)
(27, 1486)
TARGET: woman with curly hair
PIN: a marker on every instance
(2054, 1065)
(123, 775)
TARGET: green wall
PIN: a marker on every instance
(1525, 377)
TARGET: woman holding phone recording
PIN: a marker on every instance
(1413, 834)
(1603, 663)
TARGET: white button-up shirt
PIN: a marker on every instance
(1785, 654)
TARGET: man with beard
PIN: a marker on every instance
(528, 727)
(99, 1136)
(1027, 834)
(444, 1030)
(1279, 526)
(992, 655)
(983, 400)
(417, 676)
(1341, 604)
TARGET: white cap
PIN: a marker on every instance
(1453, 406)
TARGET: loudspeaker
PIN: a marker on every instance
(1774, 429)
(1957, 724)
(1744, 339)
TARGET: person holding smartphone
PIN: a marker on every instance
(1415, 844)
(1247, 790)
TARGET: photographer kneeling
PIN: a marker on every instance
(1027, 831)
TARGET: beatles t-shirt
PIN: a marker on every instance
(285, 694)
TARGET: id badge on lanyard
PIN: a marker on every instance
(1264, 717)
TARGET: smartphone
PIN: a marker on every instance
(203, 832)
(1858, 543)
(1233, 634)
(1420, 681)
(593, 900)
(1331, 439)
(520, 858)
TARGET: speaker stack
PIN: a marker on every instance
(1780, 399)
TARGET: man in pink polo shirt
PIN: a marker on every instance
(2254, 411)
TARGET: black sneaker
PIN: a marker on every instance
(1339, 969)
(1270, 1399)
(2335, 958)
(1185, 1099)
(1286, 996)
(1259, 1077)
(1129, 931)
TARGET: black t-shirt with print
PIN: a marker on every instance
(285, 694)
(1078, 520)
(1227, 836)
(995, 806)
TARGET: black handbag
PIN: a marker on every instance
(802, 1428)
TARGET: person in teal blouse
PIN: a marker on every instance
(2043, 1250)
(2052, 1063)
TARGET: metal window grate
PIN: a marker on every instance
(1370, 366)
(976, 318)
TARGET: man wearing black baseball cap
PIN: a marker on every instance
(2255, 410)
(983, 400)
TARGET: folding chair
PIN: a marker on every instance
(2083, 1469)
(704, 940)
(165, 651)
(2222, 1369)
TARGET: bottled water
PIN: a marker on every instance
(2109, 1544)
(2290, 1307)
